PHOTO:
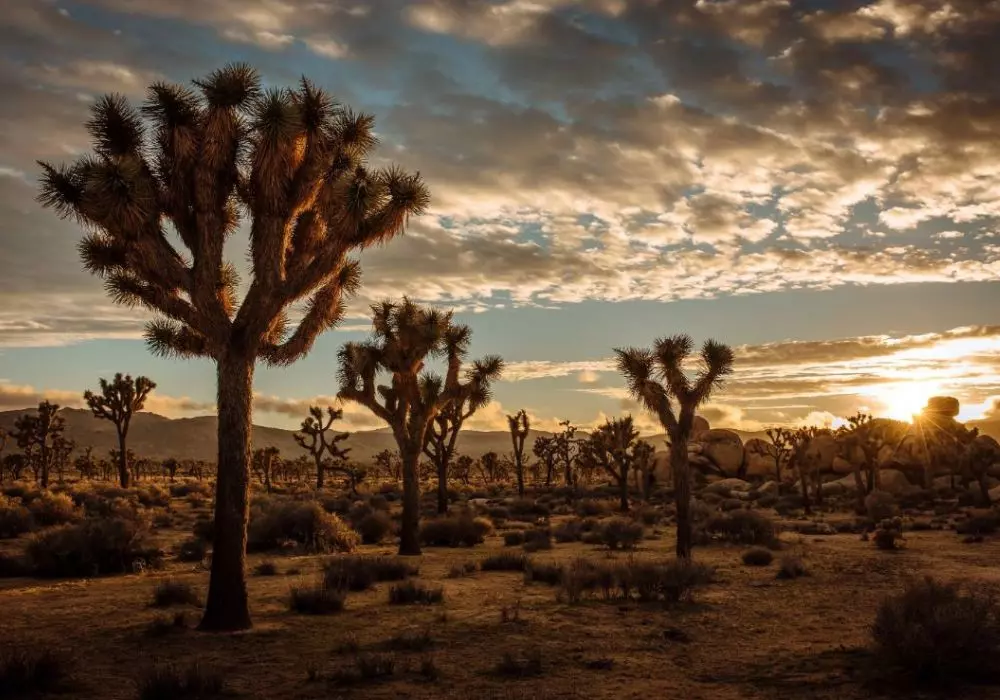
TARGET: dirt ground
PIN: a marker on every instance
(749, 635)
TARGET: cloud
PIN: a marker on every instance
(14, 396)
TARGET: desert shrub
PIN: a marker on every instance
(742, 527)
(162, 519)
(788, 503)
(170, 683)
(549, 574)
(15, 519)
(537, 539)
(25, 674)
(880, 506)
(186, 488)
(462, 530)
(266, 568)
(192, 550)
(504, 561)
(568, 531)
(302, 522)
(767, 500)
(498, 514)
(172, 592)
(92, 547)
(409, 641)
(592, 537)
(646, 581)
(462, 570)
(318, 599)
(888, 534)
(527, 509)
(359, 573)
(514, 538)
(673, 582)
(162, 625)
(153, 496)
(979, 524)
(21, 491)
(519, 666)
(649, 516)
(758, 556)
(53, 509)
(590, 508)
(204, 529)
(621, 533)
(938, 632)
(374, 527)
(413, 593)
(791, 567)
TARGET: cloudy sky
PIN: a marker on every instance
(816, 182)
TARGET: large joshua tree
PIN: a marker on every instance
(404, 336)
(658, 379)
(474, 393)
(117, 402)
(288, 164)
(315, 435)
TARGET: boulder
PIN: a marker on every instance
(759, 462)
(842, 466)
(995, 494)
(733, 484)
(769, 488)
(834, 488)
(723, 449)
(895, 482)
(699, 425)
(942, 406)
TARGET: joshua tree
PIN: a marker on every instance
(462, 469)
(642, 455)
(37, 435)
(657, 379)
(62, 448)
(545, 449)
(312, 436)
(779, 448)
(389, 464)
(170, 466)
(518, 424)
(264, 461)
(404, 336)
(565, 447)
(611, 447)
(293, 163)
(474, 393)
(117, 402)
(85, 463)
(491, 468)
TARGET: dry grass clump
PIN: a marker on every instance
(192, 683)
(318, 599)
(15, 518)
(374, 527)
(504, 561)
(791, 567)
(359, 573)
(53, 509)
(275, 523)
(934, 632)
(26, 674)
(462, 530)
(171, 592)
(621, 533)
(537, 539)
(549, 574)
(266, 568)
(413, 593)
(744, 527)
(163, 625)
(643, 580)
(758, 556)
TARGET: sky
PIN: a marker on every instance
(814, 182)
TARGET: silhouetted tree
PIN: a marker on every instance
(610, 447)
(778, 449)
(36, 434)
(389, 464)
(404, 336)
(546, 450)
(117, 402)
(62, 448)
(14, 465)
(264, 460)
(473, 394)
(170, 467)
(518, 424)
(565, 446)
(85, 464)
(491, 468)
(462, 469)
(643, 461)
(293, 162)
(313, 436)
(656, 378)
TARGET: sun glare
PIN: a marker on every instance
(903, 400)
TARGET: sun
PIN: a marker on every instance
(903, 400)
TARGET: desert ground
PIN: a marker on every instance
(746, 634)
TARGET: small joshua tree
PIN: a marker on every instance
(611, 447)
(389, 464)
(566, 449)
(117, 402)
(474, 395)
(546, 450)
(404, 336)
(264, 461)
(778, 449)
(657, 379)
(291, 162)
(518, 424)
(313, 436)
(491, 468)
(38, 436)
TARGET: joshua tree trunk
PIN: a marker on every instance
(409, 531)
(320, 473)
(123, 475)
(681, 472)
(227, 608)
(44, 457)
(442, 485)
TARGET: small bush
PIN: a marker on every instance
(15, 519)
(266, 568)
(621, 533)
(461, 530)
(153, 496)
(374, 527)
(412, 593)
(26, 674)
(171, 592)
(186, 488)
(568, 531)
(409, 641)
(204, 529)
(301, 522)
(359, 573)
(498, 514)
(162, 625)
(514, 538)
(791, 567)
(537, 540)
(319, 599)
(758, 556)
(92, 547)
(645, 581)
(979, 524)
(462, 570)
(504, 561)
(888, 534)
(880, 505)
(370, 667)
(527, 509)
(53, 509)
(192, 550)
(170, 683)
(649, 516)
(938, 632)
(550, 574)
(525, 666)
(745, 527)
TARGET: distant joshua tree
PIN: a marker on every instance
(38, 436)
(404, 336)
(389, 464)
(313, 436)
(566, 449)
(657, 379)
(779, 448)
(611, 447)
(546, 450)
(519, 426)
(265, 460)
(491, 468)
(292, 162)
(117, 402)
(473, 394)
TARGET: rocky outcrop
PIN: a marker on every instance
(758, 462)
(717, 451)
(946, 406)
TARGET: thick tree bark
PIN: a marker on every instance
(409, 530)
(442, 484)
(227, 608)
(123, 474)
(681, 473)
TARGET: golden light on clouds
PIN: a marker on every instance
(903, 400)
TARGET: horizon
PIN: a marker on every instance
(819, 199)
